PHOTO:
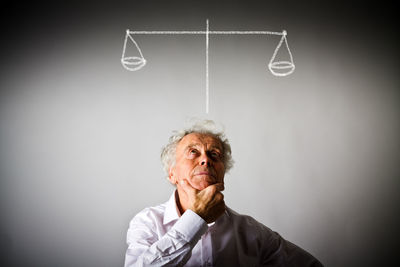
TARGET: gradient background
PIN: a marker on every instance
(317, 152)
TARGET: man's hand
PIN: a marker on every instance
(207, 203)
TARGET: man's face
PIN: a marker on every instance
(199, 160)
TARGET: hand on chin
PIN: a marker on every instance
(202, 182)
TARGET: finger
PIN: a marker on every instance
(220, 204)
(187, 187)
(218, 197)
(211, 190)
(219, 186)
(221, 207)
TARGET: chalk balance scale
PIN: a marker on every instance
(277, 68)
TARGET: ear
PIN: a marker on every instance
(171, 175)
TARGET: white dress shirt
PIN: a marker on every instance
(159, 236)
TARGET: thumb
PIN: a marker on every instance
(188, 188)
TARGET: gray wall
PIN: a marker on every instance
(317, 152)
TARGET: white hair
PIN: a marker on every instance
(208, 127)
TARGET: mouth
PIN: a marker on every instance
(204, 174)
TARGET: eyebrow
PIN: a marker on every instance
(192, 145)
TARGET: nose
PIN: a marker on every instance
(205, 160)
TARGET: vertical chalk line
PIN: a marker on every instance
(207, 87)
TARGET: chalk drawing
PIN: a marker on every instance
(277, 68)
(207, 81)
(132, 63)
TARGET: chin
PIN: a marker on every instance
(202, 185)
(202, 181)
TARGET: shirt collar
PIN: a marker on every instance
(171, 210)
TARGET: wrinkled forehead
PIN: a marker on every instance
(198, 139)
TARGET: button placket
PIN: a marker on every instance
(206, 249)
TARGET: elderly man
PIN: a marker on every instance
(195, 227)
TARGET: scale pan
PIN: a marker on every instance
(281, 68)
(133, 63)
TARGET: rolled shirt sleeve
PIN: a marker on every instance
(173, 249)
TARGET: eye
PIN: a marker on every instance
(215, 155)
(192, 153)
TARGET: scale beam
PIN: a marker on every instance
(209, 32)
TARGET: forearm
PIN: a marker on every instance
(174, 248)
